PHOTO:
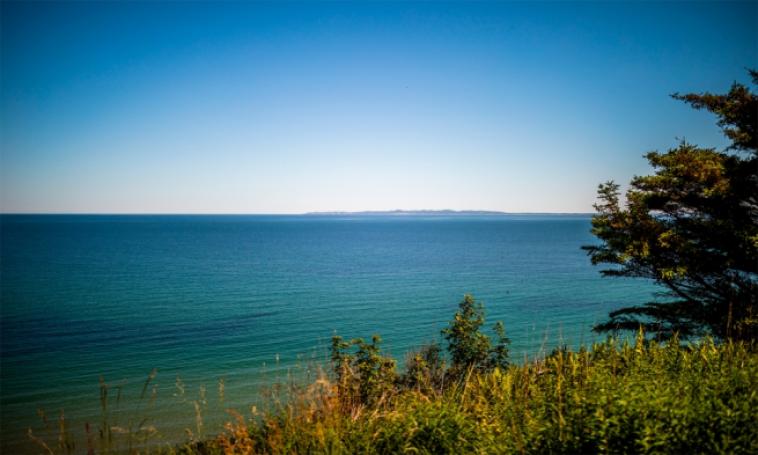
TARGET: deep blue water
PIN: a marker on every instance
(248, 298)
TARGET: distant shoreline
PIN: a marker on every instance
(398, 213)
(437, 213)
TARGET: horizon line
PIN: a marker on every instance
(317, 213)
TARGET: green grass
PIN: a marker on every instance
(642, 397)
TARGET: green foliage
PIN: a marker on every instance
(425, 370)
(498, 355)
(692, 227)
(468, 347)
(737, 112)
(341, 360)
(364, 376)
(644, 397)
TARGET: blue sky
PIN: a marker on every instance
(293, 107)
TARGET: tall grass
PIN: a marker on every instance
(641, 397)
(612, 397)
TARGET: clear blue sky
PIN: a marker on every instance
(286, 108)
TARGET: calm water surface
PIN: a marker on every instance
(248, 299)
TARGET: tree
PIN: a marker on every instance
(692, 227)
(470, 348)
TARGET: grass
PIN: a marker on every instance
(612, 397)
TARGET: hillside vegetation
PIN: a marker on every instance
(613, 397)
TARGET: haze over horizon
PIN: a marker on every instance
(311, 107)
(319, 212)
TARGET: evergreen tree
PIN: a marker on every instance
(692, 227)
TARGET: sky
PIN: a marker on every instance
(114, 107)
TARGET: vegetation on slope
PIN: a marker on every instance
(629, 398)
(613, 397)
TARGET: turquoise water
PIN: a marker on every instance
(249, 298)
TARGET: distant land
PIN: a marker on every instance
(398, 213)
(435, 213)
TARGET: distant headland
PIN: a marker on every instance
(399, 212)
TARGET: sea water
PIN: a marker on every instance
(245, 301)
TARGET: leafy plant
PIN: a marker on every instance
(468, 347)
(425, 370)
(365, 375)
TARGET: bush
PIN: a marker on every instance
(365, 376)
(468, 347)
(425, 370)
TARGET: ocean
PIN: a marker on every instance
(223, 305)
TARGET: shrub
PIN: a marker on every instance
(366, 376)
(468, 347)
(424, 370)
